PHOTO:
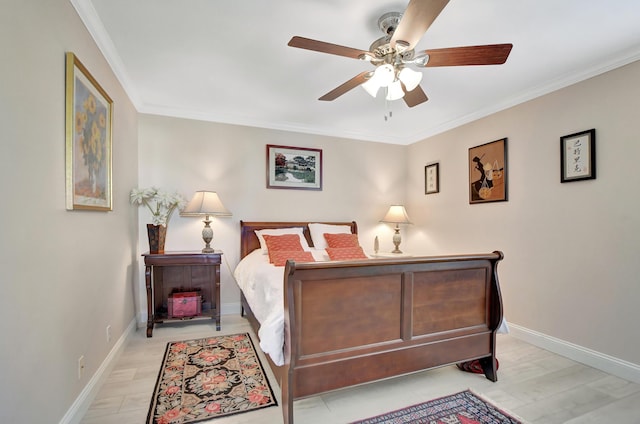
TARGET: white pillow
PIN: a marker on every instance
(317, 233)
(279, 232)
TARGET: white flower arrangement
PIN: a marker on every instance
(161, 203)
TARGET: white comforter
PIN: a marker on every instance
(262, 285)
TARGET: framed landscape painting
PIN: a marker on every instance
(88, 140)
(294, 168)
(488, 172)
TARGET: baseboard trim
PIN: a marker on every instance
(609, 364)
(81, 405)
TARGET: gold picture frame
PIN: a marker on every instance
(88, 140)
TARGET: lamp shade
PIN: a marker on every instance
(384, 75)
(205, 203)
(396, 215)
(371, 86)
(395, 91)
(410, 78)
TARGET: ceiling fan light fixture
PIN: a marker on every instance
(371, 86)
(410, 78)
(395, 91)
(384, 75)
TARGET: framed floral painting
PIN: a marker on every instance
(88, 140)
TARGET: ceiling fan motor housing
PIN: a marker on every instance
(381, 47)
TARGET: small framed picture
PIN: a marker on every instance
(488, 172)
(578, 156)
(294, 168)
(432, 178)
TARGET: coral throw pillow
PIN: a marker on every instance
(341, 240)
(346, 253)
(287, 242)
(280, 257)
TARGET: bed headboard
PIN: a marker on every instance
(249, 240)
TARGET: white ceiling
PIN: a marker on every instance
(228, 61)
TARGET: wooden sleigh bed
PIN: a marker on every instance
(353, 322)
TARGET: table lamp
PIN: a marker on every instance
(396, 215)
(205, 203)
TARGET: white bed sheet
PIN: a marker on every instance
(262, 285)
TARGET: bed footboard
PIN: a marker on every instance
(348, 323)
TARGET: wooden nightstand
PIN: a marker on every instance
(167, 271)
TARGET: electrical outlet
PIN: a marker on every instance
(108, 334)
(80, 366)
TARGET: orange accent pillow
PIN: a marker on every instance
(288, 242)
(341, 240)
(280, 257)
(346, 253)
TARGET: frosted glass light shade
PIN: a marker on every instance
(395, 91)
(371, 86)
(410, 78)
(384, 75)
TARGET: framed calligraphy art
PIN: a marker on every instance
(488, 172)
(578, 156)
(432, 178)
(294, 167)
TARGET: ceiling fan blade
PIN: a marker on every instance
(351, 84)
(492, 54)
(415, 21)
(322, 47)
(414, 97)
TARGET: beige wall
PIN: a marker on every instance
(571, 270)
(360, 181)
(66, 275)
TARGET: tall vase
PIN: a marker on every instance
(157, 235)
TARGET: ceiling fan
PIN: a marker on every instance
(393, 55)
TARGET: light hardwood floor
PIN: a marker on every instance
(536, 385)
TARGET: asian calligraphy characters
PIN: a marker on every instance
(578, 156)
(578, 160)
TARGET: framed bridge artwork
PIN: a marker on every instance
(294, 167)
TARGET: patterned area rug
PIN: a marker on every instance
(209, 378)
(460, 408)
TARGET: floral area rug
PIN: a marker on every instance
(208, 378)
(461, 408)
